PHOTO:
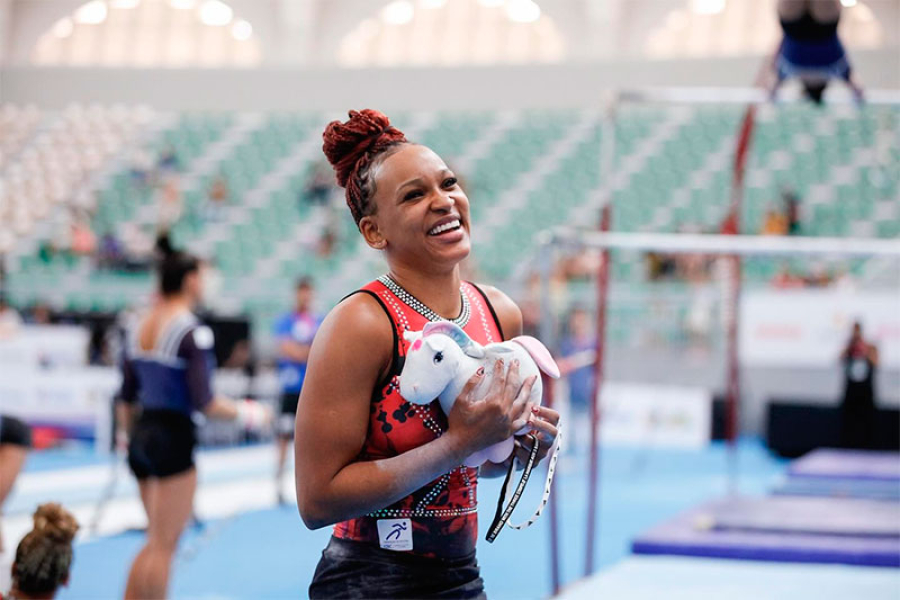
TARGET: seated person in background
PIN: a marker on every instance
(111, 253)
(44, 556)
(775, 223)
(791, 209)
(327, 243)
(168, 160)
(84, 242)
(217, 198)
(39, 314)
(786, 279)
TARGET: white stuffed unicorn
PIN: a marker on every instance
(441, 359)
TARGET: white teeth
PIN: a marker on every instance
(445, 227)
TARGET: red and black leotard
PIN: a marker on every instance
(443, 513)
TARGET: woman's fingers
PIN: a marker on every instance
(547, 414)
(545, 431)
(521, 408)
(472, 383)
(499, 379)
(511, 384)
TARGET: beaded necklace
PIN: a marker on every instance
(414, 303)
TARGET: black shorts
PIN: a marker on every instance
(288, 414)
(351, 569)
(13, 431)
(162, 444)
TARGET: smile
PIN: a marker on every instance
(449, 226)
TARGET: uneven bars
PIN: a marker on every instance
(725, 244)
(743, 96)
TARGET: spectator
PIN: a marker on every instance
(84, 242)
(775, 223)
(577, 349)
(327, 243)
(170, 205)
(294, 332)
(660, 266)
(858, 417)
(168, 161)
(786, 279)
(98, 346)
(819, 276)
(578, 342)
(217, 198)
(40, 314)
(111, 253)
(844, 280)
(141, 168)
(581, 265)
(47, 251)
(791, 209)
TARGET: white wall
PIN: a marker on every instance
(578, 85)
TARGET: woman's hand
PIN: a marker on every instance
(543, 422)
(477, 424)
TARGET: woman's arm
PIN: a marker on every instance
(294, 351)
(196, 349)
(872, 352)
(350, 355)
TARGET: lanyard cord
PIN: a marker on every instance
(501, 517)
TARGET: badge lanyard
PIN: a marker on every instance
(501, 517)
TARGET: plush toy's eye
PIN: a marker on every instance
(438, 357)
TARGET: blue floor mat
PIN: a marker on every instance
(270, 554)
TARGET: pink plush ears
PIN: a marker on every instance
(454, 332)
(540, 354)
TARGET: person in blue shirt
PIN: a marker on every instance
(167, 371)
(577, 349)
(294, 333)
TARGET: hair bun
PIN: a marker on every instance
(346, 143)
(55, 523)
(164, 246)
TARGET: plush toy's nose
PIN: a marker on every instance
(415, 387)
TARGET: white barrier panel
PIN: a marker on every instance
(37, 346)
(65, 398)
(655, 415)
(809, 328)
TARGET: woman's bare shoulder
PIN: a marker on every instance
(358, 325)
(508, 312)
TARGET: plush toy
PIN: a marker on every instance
(441, 359)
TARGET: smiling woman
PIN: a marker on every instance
(387, 473)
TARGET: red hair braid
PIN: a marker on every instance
(353, 148)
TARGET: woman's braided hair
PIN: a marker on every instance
(353, 148)
(44, 556)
